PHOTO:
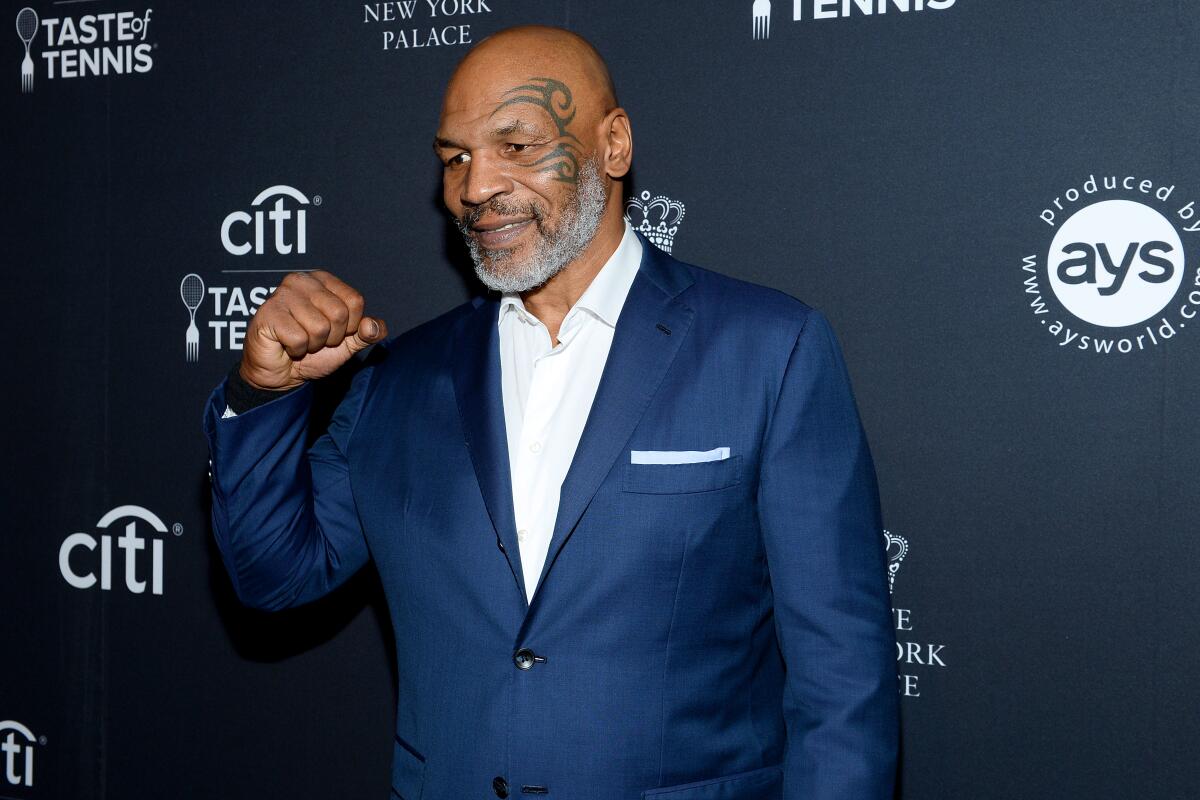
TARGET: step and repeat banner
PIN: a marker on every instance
(997, 204)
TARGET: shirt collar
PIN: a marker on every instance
(605, 295)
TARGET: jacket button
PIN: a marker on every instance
(523, 658)
(500, 786)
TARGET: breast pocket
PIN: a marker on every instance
(707, 476)
(759, 784)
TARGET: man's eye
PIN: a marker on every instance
(518, 147)
(456, 160)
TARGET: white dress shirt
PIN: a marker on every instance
(548, 392)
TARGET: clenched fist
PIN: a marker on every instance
(311, 325)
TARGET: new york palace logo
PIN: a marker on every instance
(897, 549)
(656, 218)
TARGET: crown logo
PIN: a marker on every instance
(657, 219)
(897, 549)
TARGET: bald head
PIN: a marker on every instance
(530, 50)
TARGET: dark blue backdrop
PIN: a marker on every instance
(892, 169)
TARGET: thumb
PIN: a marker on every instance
(370, 331)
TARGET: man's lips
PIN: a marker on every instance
(497, 232)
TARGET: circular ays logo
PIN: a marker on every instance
(1114, 278)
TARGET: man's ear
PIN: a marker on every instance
(617, 139)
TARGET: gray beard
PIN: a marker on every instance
(501, 272)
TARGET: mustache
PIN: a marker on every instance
(501, 208)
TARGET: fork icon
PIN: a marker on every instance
(191, 290)
(762, 19)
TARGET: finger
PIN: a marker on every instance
(336, 312)
(346, 293)
(315, 324)
(302, 283)
(370, 331)
(291, 335)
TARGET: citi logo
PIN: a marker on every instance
(18, 752)
(243, 232)
(129, 541)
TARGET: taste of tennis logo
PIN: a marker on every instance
(804, 10)
(259, 246)
(88, 45)
(1114, 279)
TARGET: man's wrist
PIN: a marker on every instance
(241, 397)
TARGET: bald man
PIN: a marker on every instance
(622, 507)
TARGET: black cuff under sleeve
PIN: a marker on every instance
(241, 396)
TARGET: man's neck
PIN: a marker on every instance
(551, 301)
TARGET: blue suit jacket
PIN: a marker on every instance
(717, 630)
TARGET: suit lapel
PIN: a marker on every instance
(651, 327)
(477, 389)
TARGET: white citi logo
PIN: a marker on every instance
(18, 752)
(655, 218)
(129, 541)
(243, 233)
(760, 10)
(111, 43)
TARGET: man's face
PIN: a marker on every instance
(520, 178)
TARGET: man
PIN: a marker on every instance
(624, 514)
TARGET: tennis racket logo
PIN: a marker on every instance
(27, 25)
(191, 290)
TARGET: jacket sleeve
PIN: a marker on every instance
(283, 515)
(819, 509)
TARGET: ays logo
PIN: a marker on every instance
(79, 569)
(1115, 279)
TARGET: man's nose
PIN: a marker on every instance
(485, 179)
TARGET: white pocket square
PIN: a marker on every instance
(678, 456)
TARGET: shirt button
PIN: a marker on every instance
(500, 786)
(536, 447)
(523, 658)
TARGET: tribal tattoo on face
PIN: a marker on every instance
(553, 97)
